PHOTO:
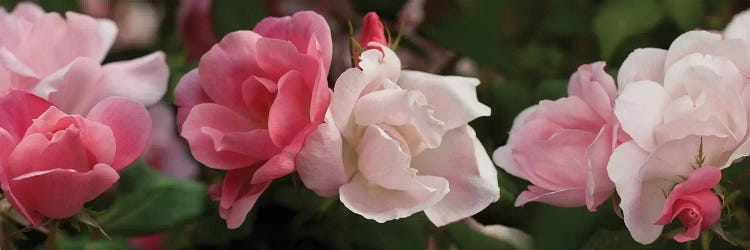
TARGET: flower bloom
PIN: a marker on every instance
(562, 146)
(251, 103)
(672, 103)
(60, 60)
(693, 202)
(53, 163)
(397, 142)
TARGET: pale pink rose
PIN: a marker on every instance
(693, 202)
(60, 60)
(739, 27)
(251, 103)
(53, 163)
(562, 146)
(396, 142)
(166, 151)
(672, 102)
(195, 26)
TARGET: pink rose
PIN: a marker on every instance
(671, 103)
(53, 163)
(195, 26)
(251, 103)
(396, 142)
(372, 31)
(562, 146)
(60, 60)
(693, 202)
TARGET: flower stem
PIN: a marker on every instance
(705, 241)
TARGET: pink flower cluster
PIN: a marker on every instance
(658, 139)
(388, 142)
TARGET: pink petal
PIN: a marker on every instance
(28, 11)
(76, 88)
(143, 79)
(18, 109)
(598, 185)
(238, 196)
(187, 94)
(290, 112)
(61, 193)
(225, 67)
(372, 31)
(503, 156)
(207, 124)
(453, 97)
(738, 28)
(308, 31)
(130, 124)
(472, 178)
(324, 164)
(53, 42)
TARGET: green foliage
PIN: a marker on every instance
(233, 15)
(619, 20)
(618, 240)
(688, 14)
(149, 202)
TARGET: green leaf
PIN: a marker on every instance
(619, 20)
(148, 202)
(234, 15)
(688, 14)
(467, 238)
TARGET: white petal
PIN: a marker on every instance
(325, 163)
(454, 97)
(640, 109)
(381, 204)
(642, 64)
(108, 33)
(624, 169)
(705, 42)
(408, 111)
(462, 160)
(739, 27)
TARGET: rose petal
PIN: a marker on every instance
(472, 178)
(325, 164)
(453, 97)
(640, 109)
(130, 124)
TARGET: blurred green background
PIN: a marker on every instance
(523, 51)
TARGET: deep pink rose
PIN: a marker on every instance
(195, 27)
(60, 59)
(372, 31)
(693, 202)
(251, 103)
(562, 146)
(53, 163)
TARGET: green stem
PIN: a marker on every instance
(705, 241)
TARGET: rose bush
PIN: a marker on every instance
(53, 163)
(251, 103)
